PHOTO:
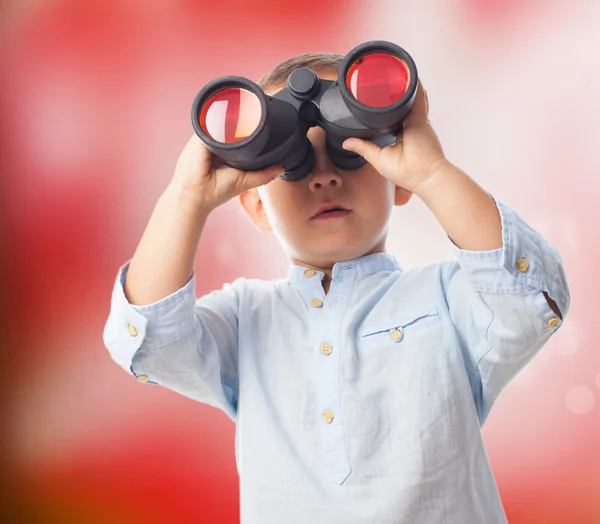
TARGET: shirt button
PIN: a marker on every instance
(522, 265)
(396, 334)
(554, 322)
(327, 416)
(132, 330)
(326, 348)
(143, 379)
(309, 273)
(316, 302)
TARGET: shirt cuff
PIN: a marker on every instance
(162, 322)
(525, 262)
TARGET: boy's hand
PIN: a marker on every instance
(415, 155)
(210, 182)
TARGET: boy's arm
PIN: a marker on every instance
(164, 259)
(156, 329)
(417, 164)
(505, 304)
(153, 296)
(185, 344)
(509, 291)
(470, 216)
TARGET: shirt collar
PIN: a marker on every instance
(362, 266)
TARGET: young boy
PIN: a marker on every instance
(358, 389)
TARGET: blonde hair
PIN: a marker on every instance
(315, 61)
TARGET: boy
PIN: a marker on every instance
(358, 389)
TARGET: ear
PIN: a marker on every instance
(401, 196)
(253, 206)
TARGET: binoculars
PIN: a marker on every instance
(249, 130)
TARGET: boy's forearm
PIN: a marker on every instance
(164, 259)
(467, 213)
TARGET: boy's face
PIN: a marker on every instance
(319, 240)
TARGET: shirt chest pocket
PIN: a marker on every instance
(398, 331)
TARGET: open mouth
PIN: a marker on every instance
(331, 211)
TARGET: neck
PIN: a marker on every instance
(327, 268)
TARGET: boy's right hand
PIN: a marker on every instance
(209, 182)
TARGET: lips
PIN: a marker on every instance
(331, 209)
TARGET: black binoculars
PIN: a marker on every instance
(248, 130)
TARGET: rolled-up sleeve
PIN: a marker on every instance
(185, 344)
(497, 301)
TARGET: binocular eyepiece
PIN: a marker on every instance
(249, 130)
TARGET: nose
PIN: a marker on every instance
(324, 173)
(324, 178)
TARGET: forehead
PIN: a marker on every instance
(325, 74)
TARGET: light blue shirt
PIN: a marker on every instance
(363, 405)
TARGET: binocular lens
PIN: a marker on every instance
(378, 79)
(248, 130)
(230, 115)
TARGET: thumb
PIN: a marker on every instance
(365, 148)
(254, 179)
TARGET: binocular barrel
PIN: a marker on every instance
(249, 130)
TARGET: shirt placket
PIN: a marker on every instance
(327, 312)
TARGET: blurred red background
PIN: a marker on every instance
(94, 110)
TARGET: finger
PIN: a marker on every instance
(252, 179)
(197, 145)
(418, 114)
(365, 148)
(194, 158)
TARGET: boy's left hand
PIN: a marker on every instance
(415, 155)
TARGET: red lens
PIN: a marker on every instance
(378, 79)
(230, 115)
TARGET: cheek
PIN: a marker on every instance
(375, 192)
(282, 203)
